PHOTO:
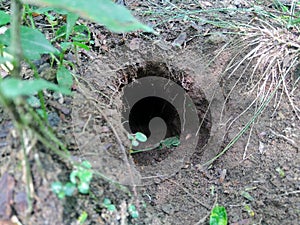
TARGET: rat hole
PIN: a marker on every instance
(157, 119)
(145, 115)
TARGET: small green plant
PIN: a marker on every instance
(136, 138)
(166, 143)
(133, 211)
(63, 190)
(249, 210)
(218, 216)
(280, 172)
(170, 142)
(81, 176)
(80, 179)
(82, 218)
(108, 205)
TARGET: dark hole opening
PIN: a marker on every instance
(150, 107)
(140, 117)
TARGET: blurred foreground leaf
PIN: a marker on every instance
(12, 87)
(64, 77)
(115, 17)
(4, 18)
(33, 41)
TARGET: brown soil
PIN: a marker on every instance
(257, 179)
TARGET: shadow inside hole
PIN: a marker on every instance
(150, 107)
(141, 115)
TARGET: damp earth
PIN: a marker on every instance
(257, 180)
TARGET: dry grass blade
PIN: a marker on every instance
(275, 51)
(270, 52)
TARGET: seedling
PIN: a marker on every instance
(136, 138)
(82, 218)
(82, 176)
(218, 216)
(249, 210)
(63, 190)
(166, 143)
(108, 205)
(280, 172)
(112, 208)
(80, 179)
(133, 211)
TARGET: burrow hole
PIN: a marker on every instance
(151, 107)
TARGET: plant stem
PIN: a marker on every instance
(16, 8)
(40, 93)
(133, 151)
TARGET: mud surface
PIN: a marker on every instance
(257, 179)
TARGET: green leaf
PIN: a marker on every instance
(130, 137)
(246, 195)
(61, 32)
(82, 218)
(81, 45)
(4, 59)
(115, 17)
(56, 187)
(140, 137)
(85, 176)
(64, 77)
(4, 18)
(132, 211)
(84, 188)
(61, 195)
(33, 101)
(33, 41)
(218, 216)
(69, 189)
(41, 113)
(111, 208)
(71, 20)
(171, 142)
(280, 172)
(73, 176)
(86, 164)
(82, 33)
(12, 87)
(65, 45)
(106, 202)
(295, 21)
(135, 143)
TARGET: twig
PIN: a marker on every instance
(189, 194)
(290, 141)
(123, 151)
(291, 193)
(202, 221)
